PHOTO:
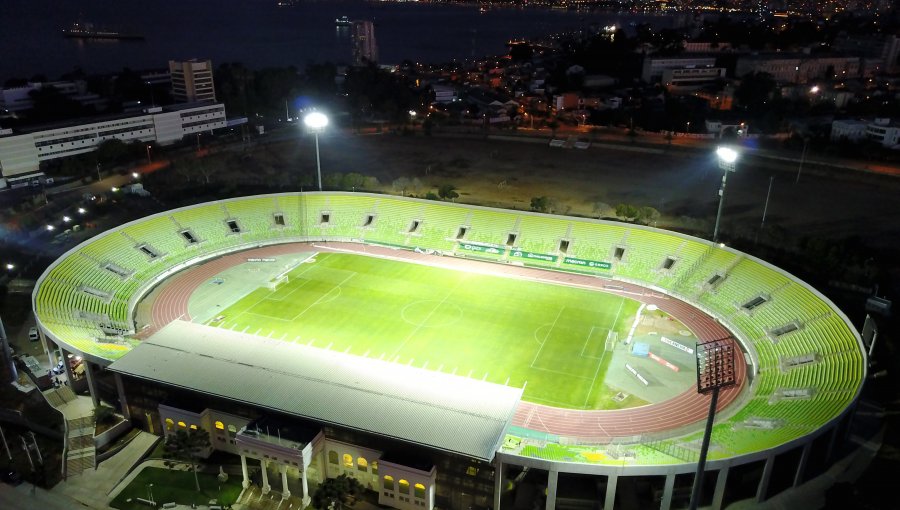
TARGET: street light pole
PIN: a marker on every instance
(802, 158)
(148, 155)
(727, 157)
(316, 122)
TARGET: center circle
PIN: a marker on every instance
(431, 313)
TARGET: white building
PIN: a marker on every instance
(654, 66)
(848, 129)
(21, 152)
(885, 132)
(691, 77)
(881, 130)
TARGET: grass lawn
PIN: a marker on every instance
(502, 330)
(176, 486)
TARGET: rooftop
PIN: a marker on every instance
(433, 409)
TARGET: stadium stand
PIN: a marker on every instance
(74, 316)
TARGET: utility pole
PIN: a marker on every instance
(762, 224)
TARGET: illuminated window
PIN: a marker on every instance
(182, 424)
(362, 464)
(471, 471)
(232, 430)
(348, 460)
(404, 486)
(170, 424)
(193, 427)
(420, 491)
(333, 457)
(374, 467)
(220, 425)
(389, 482)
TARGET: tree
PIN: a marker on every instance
(540, 204)
(401, 184)
(336, 493)
(626, 211)
(647, 215)
(447, 192)
(553, 125)
(186, 446)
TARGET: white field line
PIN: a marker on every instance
(336, 287)
(560, 372)
(538, 353)
(427, 317)
(600, 363)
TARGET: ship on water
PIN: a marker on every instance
(80, 30)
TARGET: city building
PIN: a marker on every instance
(691, 78)
(878, 50)
(17, 99)
(192, 80)
(884, 131)
(365, 49)
(852, 130)
(653, 67)
(22, 151)
(798, 67)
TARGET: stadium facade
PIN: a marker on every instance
(398, 429)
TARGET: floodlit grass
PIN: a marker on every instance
(176, 486)
(502, 330)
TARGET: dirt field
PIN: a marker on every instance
(682, 185)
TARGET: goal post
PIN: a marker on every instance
(278, 282)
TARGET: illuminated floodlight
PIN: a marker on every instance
(814, 89)
(67, 219)
(114, 189)
(727, 154)
(715, 370)
(82, 210)
(10, 267)
(135, 175)
(315, 120)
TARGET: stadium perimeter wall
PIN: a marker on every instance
(308, 207)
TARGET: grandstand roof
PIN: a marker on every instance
(411, 404)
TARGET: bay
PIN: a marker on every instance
(259, 33)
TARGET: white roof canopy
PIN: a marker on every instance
(434, 409)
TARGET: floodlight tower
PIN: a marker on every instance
(715, 370)
(727, 158)
(316, 122)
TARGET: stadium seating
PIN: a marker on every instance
(74, 316)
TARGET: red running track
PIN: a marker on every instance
(589, 426)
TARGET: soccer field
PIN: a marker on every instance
(551, 339)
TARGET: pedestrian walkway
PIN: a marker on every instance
(92, 486)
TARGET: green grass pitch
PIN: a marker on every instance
(502, 330)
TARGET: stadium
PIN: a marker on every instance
(456, 356)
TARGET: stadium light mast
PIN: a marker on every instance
(316, 122)
(727, 158)
(715, 370)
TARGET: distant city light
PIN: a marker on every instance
(114, 189)
(67, 219)
(135, 175)
(412, 113)
(814, 89)
(81, 210)
(10, 267)
(50, 228)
